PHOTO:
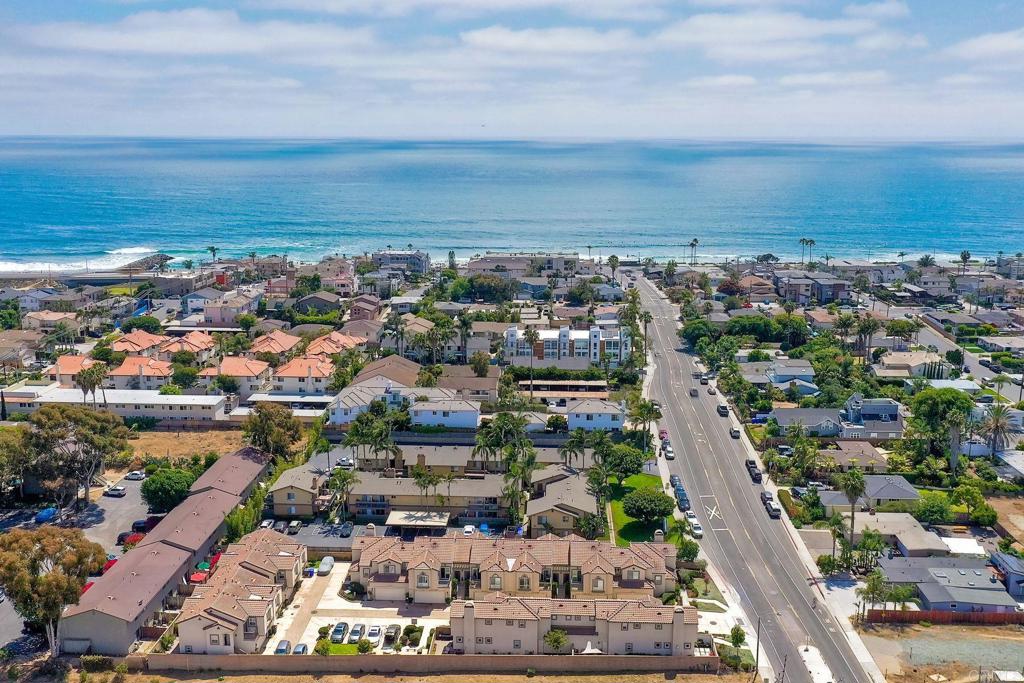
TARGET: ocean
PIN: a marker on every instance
(96, 203)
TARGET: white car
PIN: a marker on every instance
(468, 530)
(690, 516)
(135, 475)
(696, 530)
(373, 635)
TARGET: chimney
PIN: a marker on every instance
(659, 536)
(371, 529)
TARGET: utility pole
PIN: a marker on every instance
(757, 650)
(781, 678)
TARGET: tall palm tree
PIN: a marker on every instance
(252, 257)
(465, 326)
(1001, 381)
(531, 337)
(86, 381)
(486, 448)
(645, 413)
(693, 251)
(965, 258)
(926, 261)
(810, 248)
(645, 319)
(613, 264)
(600, 443)
(997, 426)
(851, 483)
(574, 447)
(901, 255)
(866, 329)
(187, 264)
(213, 252)
(803, 245)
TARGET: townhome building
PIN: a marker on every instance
(276, 342)
(65, 369)
(872, 420)
(568, 568)
(196, 302)
(18, 348)
(140, 372)
(200, 344)
(364, 307)
(253, 376)
(451, 413)
(471, 500)
(304, 375)
(502, 624)
(569, 348)
(224, 312)
(235, 610)
(413, 261)
(559, 501)
(48, 321)
(332, 344)
(139, 343)
(301, 492)
(29, 298)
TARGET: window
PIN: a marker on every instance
(290, 496)
(187, 648)
(227, 639)
(577, 618)
(524, 583)
(522, 624)
(458, 639)
(636, 626)
(629, 647)
(657, 627)
(625, 627)
(657, 646)
(422, 580)
(488, 622)
(597, 585)
(214, 639)
(291, 509)
(516, 644)
(952, 605)
(657, 578)
(633, 574)
(495, 581)
(508, 622)
(479, 640)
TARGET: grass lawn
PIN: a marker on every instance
(344, 649)
(121, 290)
(973, 348)
(705, 606)
(627, 529)
(746, 656)
(707, 589)
(756, 434)
(998, 396)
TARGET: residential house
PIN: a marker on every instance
(955, 597)
(48, 321)
(236, 473)
(369, 331)
(277, 343)
(503, 624)
(319, 302)
(235, 610)
(18, 347)
(140, 372)
(181, 282)
(198, 343)
(364, 307)
(487, 337)
(861, 455)
(301, 492)
(225, 312)
(1013, 345)
(195, 302)
(824, 422)
(901, 532)
(448, 413)
(404, 304)
(569, 348)
(560, 500)
(412, 261)
(402, 371)
(804, 287)
(65, 369)
(332, 344)
(819, 318)
(1011, 570)
(253, 376)
(458, 459)
(907, 364)
(468, 501)
(29, 299)
(139, 343)
(391, 568)
(879, 489)
(464, 381)
(590, 414)
(756, 288)
(951, 584)
(304, 375)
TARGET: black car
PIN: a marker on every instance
(755, 475)
(674, 480)
(121, 537)
(766, 496)
(723, 410)
(346, 529)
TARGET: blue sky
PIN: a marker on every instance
(694, 69)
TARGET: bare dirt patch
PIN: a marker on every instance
(1011, 515)
(914, 652)
(443, 678)
(185, 444)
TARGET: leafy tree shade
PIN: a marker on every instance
(170, 390)
(71, 442)
(590, 526)
(624, 461)
(185, 376)
(737, 636)
(647, 505)
(480, 362)
(688, 550)
(558, 423)
(272, 428)
(933, 508)
(695, 330)
(166, 488)
(142, 322)
(933, 407)
(226, 383)
(43, 571)
(556, 640)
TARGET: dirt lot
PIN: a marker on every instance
(1011, 515)
(450, 678)
(913, 652)
(184, 444)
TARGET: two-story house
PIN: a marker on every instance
(590, 414)
(253, 376)
(303, 375)
(140, 372)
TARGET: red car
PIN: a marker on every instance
(662, 434)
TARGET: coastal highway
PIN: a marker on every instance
(753, 553)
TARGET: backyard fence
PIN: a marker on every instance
(943, 617)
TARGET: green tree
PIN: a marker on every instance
(272, 428)
(43, 571)
(364, 647)
(688, 550)
(737, 636)
(590, 526)
(185, 376)
(984, 515)
(557, 423)
(556, 640)
(852, 484)
(166, 488)
(170, 389)
(141, 322)
(644, 413)
(531, 337)
(932, 409)
(624, 461)
(613, 265)
(480, 362)
(647, 505)
(246, 321)
(933, 507)
(226, 383)
(574, 447)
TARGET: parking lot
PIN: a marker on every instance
(318, 603)
(106, 517)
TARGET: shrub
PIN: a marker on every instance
(120, 672)
(94, 663)
(364, 647)
(166, 642)
(323, 632)
(322, 647)
(14, 672)
(647, 505)
(530, 673)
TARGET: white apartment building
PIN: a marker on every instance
(29, 396)
(591, 413)
(457, 414)
(568, 348)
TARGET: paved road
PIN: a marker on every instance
(754, 553)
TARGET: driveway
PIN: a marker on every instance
(106, 517)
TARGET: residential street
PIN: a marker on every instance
(755, 554)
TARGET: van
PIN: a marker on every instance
(774, 511)
(294, 526)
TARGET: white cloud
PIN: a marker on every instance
(887, 41)
(760, 36)
(835, 79)
(629, 10)
(745, 3)
(990, 46)
(886, 9)
(965, 80)
(722, 81)
(569, 40)
(194, 32)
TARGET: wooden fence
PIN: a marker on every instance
(943, 617)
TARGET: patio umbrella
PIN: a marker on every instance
(203, 566)
(198, 577)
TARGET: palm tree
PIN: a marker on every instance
(1001, 381)
(826, 258)
(965, 258)
(866, 329)
(342, 482)
(86, 381)
(693, 251)
(645, 319)
(926, 261)
(589, 247)
(531, 337)
(803, 245)
(810, 248)
(600, 443)
(465, 325)
(381, 443)
(213, 252)
(613, 264)
(997, 426)
(486, 448)
(901, 255)
(851, 483)
(187, 264)
(574, 447)
(645, 413)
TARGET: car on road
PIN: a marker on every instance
(752, 469)
(281, 526)
(115, 492)
(346, 463)
(694, 392)
(674, 480)
(145, 525)
(734, 432)
(711, 390)
(703, 379)
(696, 530)
(766, 496)
(301, 649)
(339, 632)
(135, 475)
(267, 524)
(656, 404)
(326, 565)
(773, 509)
(682, 500)
(373, 634)
(668, 452)
(356, 634)
(908, 316)
(391, 636)
(723, 410)
(346, 529)
(691, 516)
(662, 434)
(284, 647)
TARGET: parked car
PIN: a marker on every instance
(690, 516)
(734, 432)
(301, 649)
(696, 374)
(723, 410)
(669, 453)
(817, 485)
(784, 450)
(281, 526)
(468, 530)
(656, 404)
(346, 463)
(356, 634)
(267, 524)
(696, 530)
(985, 363)
(694, 392)
(122, 536)
(294, 526)
(284, 647)
(135, 475)
(346, 529)
(338, 632)
(115, 492)
(326, 565)
(798, 491)
(711, 390)
(146, 525)
(703, 379)
(391, 635)
(662, 434)
(373, 634)
(674, 480)
(766, 496)
(774, 511)
(682, 500)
